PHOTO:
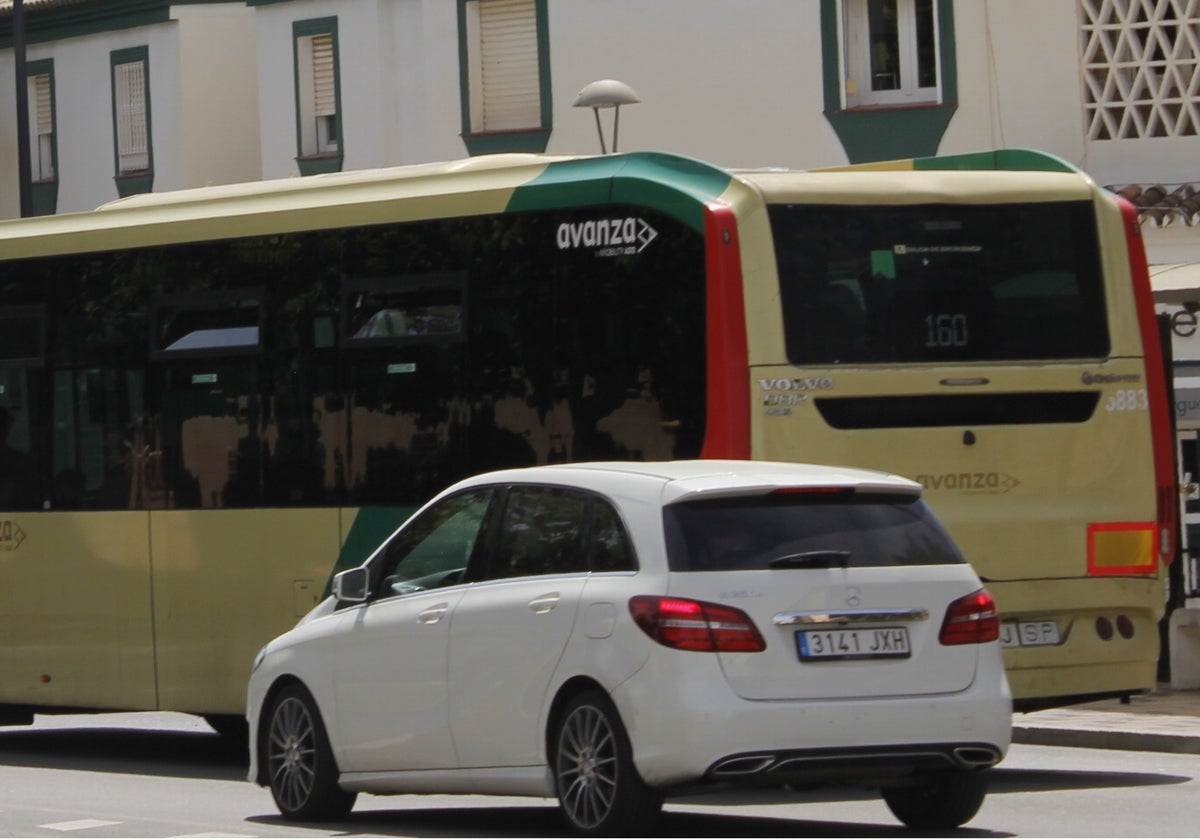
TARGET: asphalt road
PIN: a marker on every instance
(158, 775)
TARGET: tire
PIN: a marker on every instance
(302, 773)
(599, 790)
(943, 802)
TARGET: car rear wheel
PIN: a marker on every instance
(599, 789)
(303, 774)
(945, 801)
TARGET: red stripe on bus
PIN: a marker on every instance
(1156, 384)
(727, 432)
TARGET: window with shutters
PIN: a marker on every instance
(43, 141)
(131, 120)
(505, 75)
(318, 111)
(41, 126)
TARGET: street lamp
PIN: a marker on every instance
(606, 93)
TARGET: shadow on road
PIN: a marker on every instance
(200, 755)
(206, 755)
(1005, 780)
(544, 821)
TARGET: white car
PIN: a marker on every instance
(614, 633)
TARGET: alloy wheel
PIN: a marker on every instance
(587, 767)
(292, 753)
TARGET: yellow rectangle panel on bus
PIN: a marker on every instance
(77, 624)
(225, 583)
(1121, 548)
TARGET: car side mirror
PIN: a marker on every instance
(352, 585)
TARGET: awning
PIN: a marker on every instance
(1178, 283)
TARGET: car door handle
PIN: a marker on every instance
(544, 603)
(433, 615)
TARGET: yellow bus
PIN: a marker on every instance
(213, 398)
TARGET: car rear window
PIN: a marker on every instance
(805, 530)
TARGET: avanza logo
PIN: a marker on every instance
(614, 237)
(11, 535)
(969, 482)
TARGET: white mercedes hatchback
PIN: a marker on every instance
(612, 634)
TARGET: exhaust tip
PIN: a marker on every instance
(744, 765)
(977, 756)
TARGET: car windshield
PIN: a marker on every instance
(804, 530)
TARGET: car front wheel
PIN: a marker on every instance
(943, 802)
(303, 774)
(599, 789)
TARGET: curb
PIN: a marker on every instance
(1105, 739)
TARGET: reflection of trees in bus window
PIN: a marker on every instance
(226, 374)
(18, 476)
(100, 455)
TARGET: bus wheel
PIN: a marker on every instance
(303, 774)
(599, 789)
(944, 801)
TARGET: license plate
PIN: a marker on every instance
(1029, 633)
(876, 643)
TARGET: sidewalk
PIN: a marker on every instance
(1165, 720)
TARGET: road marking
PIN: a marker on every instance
(78, 825)
(210, 834)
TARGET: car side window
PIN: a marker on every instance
(434, 550)
(612, 550)
(540, 533)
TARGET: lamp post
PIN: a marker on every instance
(606, 93)
(24, 167)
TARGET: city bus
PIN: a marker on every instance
(212, 399)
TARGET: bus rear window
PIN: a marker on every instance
(804, 531)
(940, 283)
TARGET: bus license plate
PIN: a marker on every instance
(876, 643)
(1029, 633)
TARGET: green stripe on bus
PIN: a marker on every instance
(677, 186)
(371, 527)
(1014, 160)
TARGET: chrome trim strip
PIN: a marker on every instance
(841, 617)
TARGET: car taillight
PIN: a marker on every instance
(684, 624)
(971, 620)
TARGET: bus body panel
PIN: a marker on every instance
(225, 581)
(1043, 470)
(1083, 664)
(1040, 486)
(76, 626)
(229, 553)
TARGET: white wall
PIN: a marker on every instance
(735, 83)
(1018, 78)
(217, 106)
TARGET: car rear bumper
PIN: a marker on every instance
(868, 765)
(700, 730)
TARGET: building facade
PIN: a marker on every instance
(128, 97)
(256, 89)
